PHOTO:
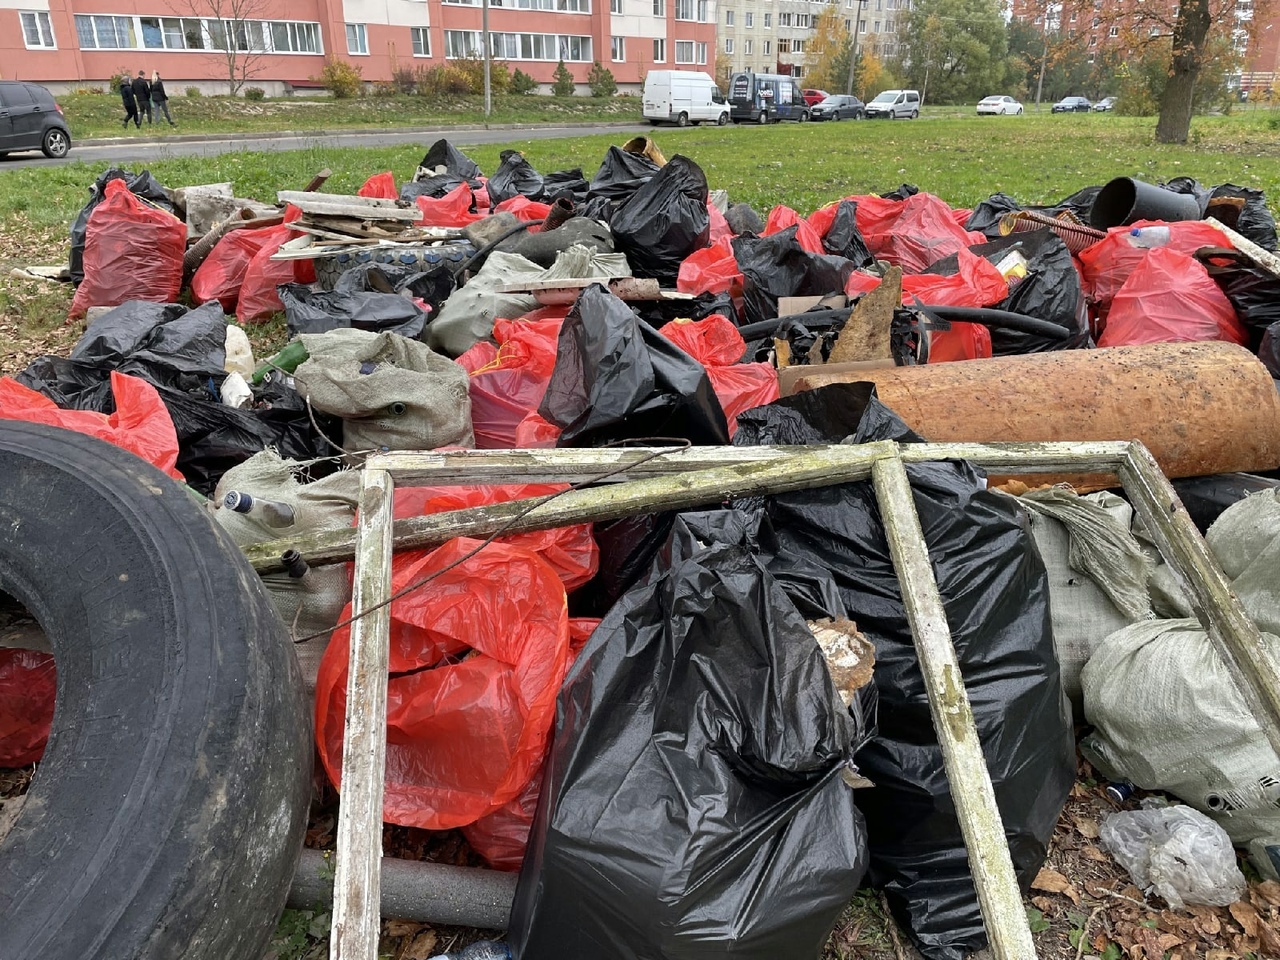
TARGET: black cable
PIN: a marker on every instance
(480, 255)
(987, 316)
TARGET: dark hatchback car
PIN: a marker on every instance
(1072, 105)
(838, 106)
(30, 119)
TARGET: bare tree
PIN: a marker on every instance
(235, 33)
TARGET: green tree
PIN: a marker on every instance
(601, 81)
(522, 83)
(956, 49)
(563, 83)
(827, 64)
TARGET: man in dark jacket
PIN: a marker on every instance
(130, 104)
(142, 93)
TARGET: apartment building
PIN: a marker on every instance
(70, 43)
(774, 36)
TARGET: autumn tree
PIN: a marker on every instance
(956, 48)
(238, 36)
(827, 66)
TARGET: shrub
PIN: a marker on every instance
(342, 79)
(601, 81)
(403, 79)
(441, 81)
(473, 69)
(564, 83)
(194, 93)
(522, 83)
(254, 93)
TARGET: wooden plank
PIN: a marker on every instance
(357, 877)
(1267, 260)
(971, 790)
(1233, 634)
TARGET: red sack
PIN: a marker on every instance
(781, 217)
(381, 186)
(28, 685)
(258, 298)
(507, 382)
(860, 283)
(716, 344)
(713, 269)
(1170, 298)
(141, 423)
(912, 233)
(482, 194)
(571, 551)
(822, 218)
(535, 433)
(476, 661)
(502, 836)
(524, 209)
(719, 225)
(1106, 265)
(977, 283)
(451, 210)
(964, 341)
(132, 251)
(221, 275)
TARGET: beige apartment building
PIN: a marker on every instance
(773, 36)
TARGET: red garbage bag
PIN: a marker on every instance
(781, 217)
(1168, 298)
(535, 433)
(912, 233)
(524, 209)
(28, 685)
(716, 344)
(258, 298)
(860, 283)
(141, 423)
(822, 218)
(381, 186)
(719, 225)
(502, 836)
(451, 210)
(507, 382)
(1107, 264)
(977, 283)
(481, 194)
(571, 551)
(477, 658)
(133, 251)
(713, 269)
(222, 274)
(964, 341)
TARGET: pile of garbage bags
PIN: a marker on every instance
(636, 714)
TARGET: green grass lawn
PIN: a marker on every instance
(99, 114)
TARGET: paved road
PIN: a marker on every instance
(125, 152)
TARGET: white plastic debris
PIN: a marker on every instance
(235, 391)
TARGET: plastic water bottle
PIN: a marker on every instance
(1149, 237)
(271, 512)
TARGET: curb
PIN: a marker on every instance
(340, 131)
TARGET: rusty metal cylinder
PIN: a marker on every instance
(1200, 408)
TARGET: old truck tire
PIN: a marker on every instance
(167, 816)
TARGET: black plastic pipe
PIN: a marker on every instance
(987, 316)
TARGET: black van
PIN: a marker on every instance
(30, 119)
(765, 98)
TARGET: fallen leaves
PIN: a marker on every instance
(1051, 881)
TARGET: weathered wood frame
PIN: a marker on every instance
(681, 479)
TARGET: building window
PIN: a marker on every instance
(875, 26)
(37, 31)
(659, 8)
(704, 11)
(659, 51)
(618, 49)
(728, 18)
(768, 47)
(797, 71)
(615, 6)
(462, 44)
(802, 20)
(421, 41)
(750, 20)
(466, 44)
(862, 26)
(768, 20)
(105, 33)
(1114, 32)
(728, 44)
(797, 46)
(357, 40)
(784, 19)
(784, 46)
(702, 53)
(684, 9)
(97, 32)
(684, 51)
(1096, 21)
(747, 45)
(1073, 16)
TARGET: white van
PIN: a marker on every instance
(894, 104)
(683, 97)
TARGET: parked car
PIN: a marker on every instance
(683, 97)
(1072, 105)
(30, 119)
(998, 107)
(814, 96)
(1105, 105)
(894, 104)
(838, 107)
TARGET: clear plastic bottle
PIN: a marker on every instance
(1149, 237)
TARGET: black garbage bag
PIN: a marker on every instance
(986, 216)
(1079, 204)
(995, 592)
(433, 286)
(844, 239)
(901, 193)
(1269, 350)
(442, 153)
(1253, 292)
(664, 221)
(436, 187)
(597, 208)
(617, 378)
(777, 266)
(142, 184)
(693, 805)
(1254, 221)
(621, 174)
(312, 311)
(564, 182)
(158, 335)
(515, 177)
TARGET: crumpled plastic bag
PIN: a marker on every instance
(515, 177)
(509, 380)
(222, 274)
(1106, 265)
(522, 208)
(28, 685)
(258, 298)
(319, 311)
(453, 209)
(777, 266)
(381, 186)
(664, 221)
(140, 424)
(716, 344)
(838, 227)
(1177, 853)
(781, 217)
(142, 184)
(912, 233)
(621, 174)
(712, 269)
(133, 251)
(476, 660)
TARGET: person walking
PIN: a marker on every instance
(142, 93)
(130, 104)
(159, 98)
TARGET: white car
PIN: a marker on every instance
(999, 107)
